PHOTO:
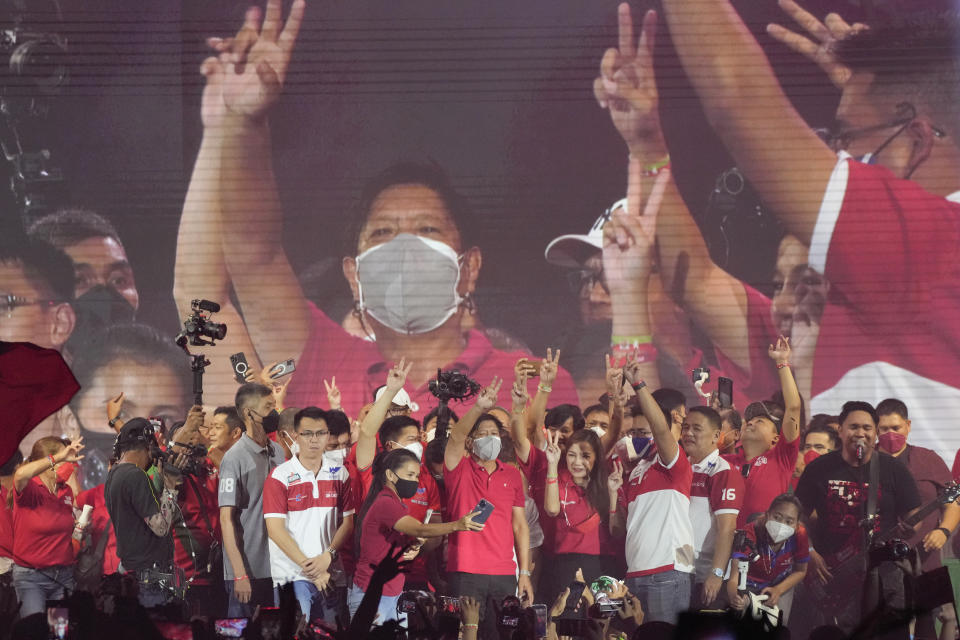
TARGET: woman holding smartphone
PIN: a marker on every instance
(383, 523)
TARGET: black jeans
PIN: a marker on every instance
(488, 590)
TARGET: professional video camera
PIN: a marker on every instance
(453, 385)
(198, 325)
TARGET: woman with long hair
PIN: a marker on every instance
(583, 499)
(383, 523)
(43, 521)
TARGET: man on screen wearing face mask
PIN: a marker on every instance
(482, 565)
(398, 431)
(105, 289)
(409, 256)
(243, 471)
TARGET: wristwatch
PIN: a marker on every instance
(525, 572)
(333, 553)
(718, 572)
(113, 422)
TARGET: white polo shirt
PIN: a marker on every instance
(313, 506)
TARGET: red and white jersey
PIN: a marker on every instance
(659, 535)
(313, 506)
(716, 489)
(891, 252)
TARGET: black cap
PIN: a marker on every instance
(135, 432)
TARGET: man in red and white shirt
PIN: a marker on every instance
(659, 544)
(769, 441)
(716, 496)
(309, 515)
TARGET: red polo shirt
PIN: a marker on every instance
(42, 526)
(360, 369)
(488, 552)
(766, 478)
(579, 528)
(377, 535)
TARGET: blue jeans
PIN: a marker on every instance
(386, 611)
(663, 595)
(35, 586)
(315, 604)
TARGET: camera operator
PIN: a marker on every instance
(196, 527)
(142, 519)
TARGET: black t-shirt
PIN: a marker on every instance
(838, 493)
(130, 499)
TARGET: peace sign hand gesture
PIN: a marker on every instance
(553, 451)
(397, 376)
(488, 397)
(549, 368)
(628, 89)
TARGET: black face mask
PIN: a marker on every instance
(97, 309)
(270, 422)
(406, 488)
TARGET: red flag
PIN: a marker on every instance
(34, 383)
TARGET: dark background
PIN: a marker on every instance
(499, 93)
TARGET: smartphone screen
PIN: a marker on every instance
(58, 619)
(540, 620)
(576, 593)
(230, 627)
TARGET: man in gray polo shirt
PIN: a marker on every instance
(244, 469)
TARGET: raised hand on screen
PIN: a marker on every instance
(253, 64)
(817, 46)
(627, 88)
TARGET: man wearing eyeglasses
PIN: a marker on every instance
(308, 507)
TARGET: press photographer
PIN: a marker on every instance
(142, 519)
(196, 527)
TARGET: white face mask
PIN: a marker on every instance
(410, 283)
(293, 446)
(336, 457)
(779, 531)
(416, 448)
(487, 447)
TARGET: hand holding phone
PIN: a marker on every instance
(485, 508)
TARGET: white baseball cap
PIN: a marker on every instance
(402, 399)
(573, 250)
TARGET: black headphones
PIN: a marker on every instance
(133, 437)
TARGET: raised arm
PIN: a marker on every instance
(518, 407)
(780, 354)
(627, 88)
(256, 62)
(551, 494)
(667, 445)
(367, 438)
(200, 270)
(29, 470)
(538, 408)
(619, 395)
(457, 439)
(748, 109)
